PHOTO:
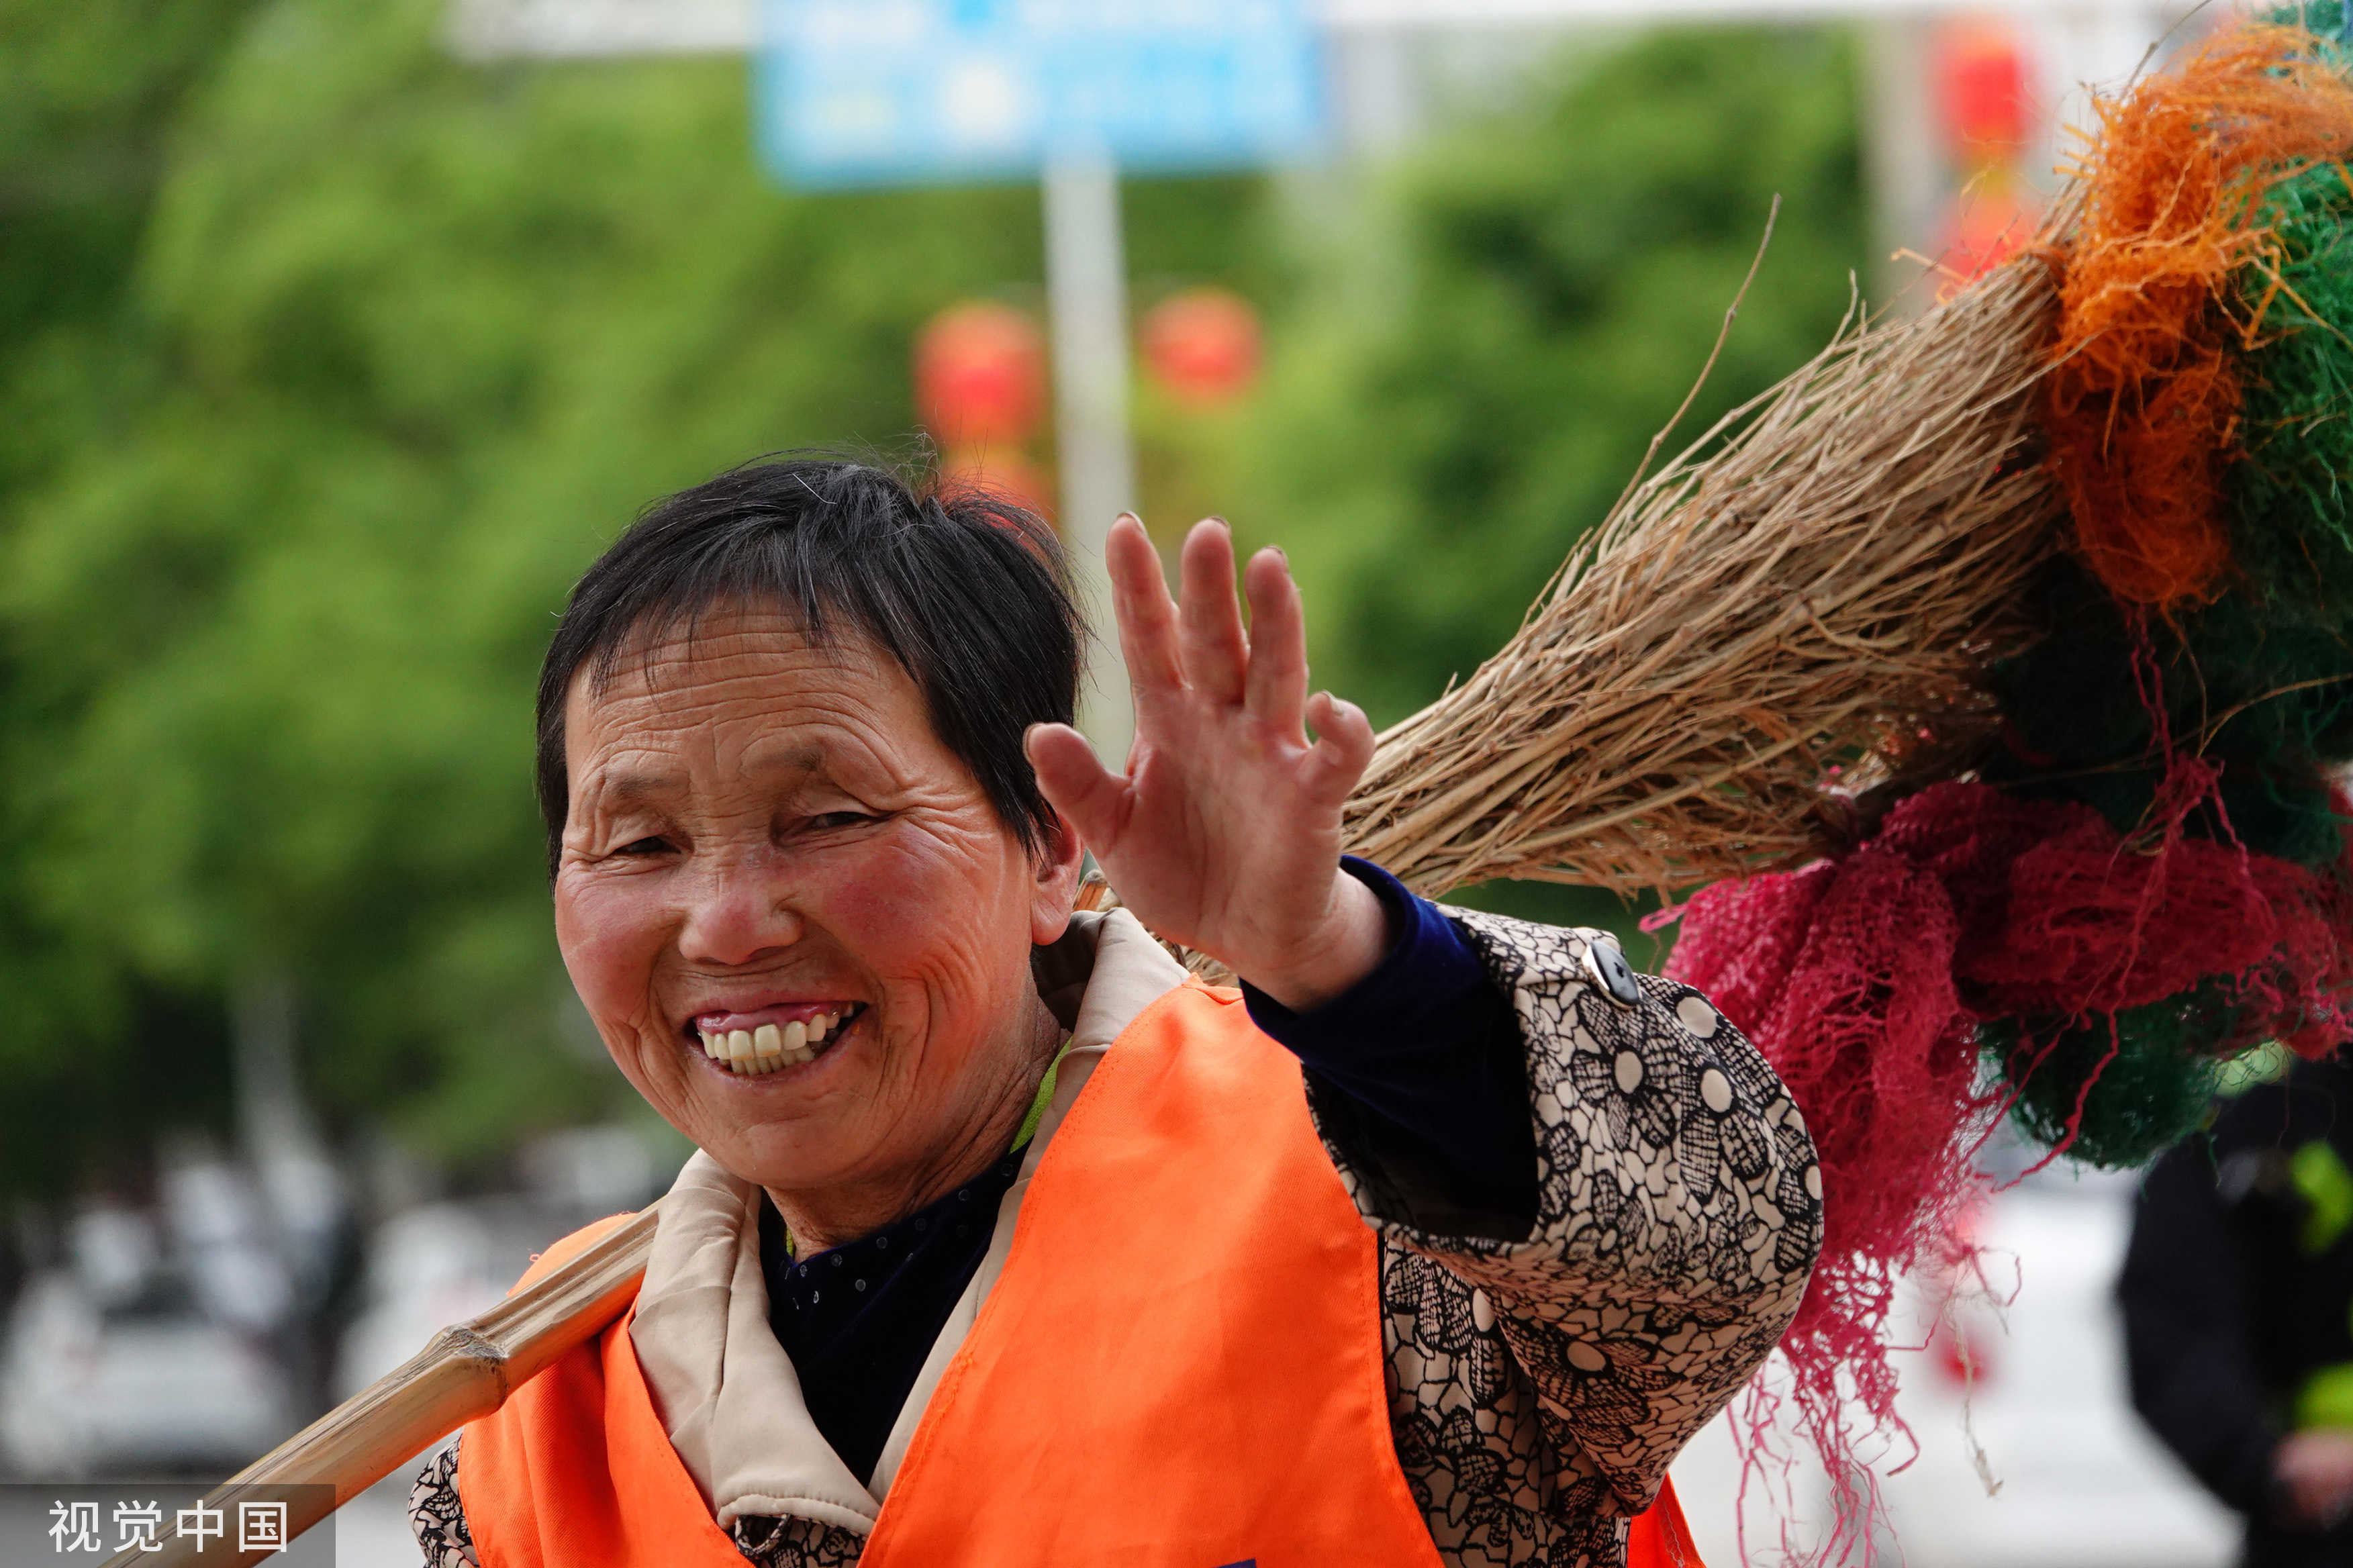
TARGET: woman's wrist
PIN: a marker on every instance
(1346, 945)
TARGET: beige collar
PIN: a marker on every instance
(724, 1389)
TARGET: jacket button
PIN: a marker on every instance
(1608, 966)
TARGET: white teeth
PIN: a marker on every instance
(771, 1046)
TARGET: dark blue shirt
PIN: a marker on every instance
(1429, 1066)
(1418, 1066)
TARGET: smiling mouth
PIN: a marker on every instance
(773, 1047)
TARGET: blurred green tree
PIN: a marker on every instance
(94, 92)
(1494, 341)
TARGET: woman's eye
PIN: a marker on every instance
(644, 847)
(825, 820)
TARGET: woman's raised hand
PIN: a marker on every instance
(1224, 831)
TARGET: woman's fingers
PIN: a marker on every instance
(1147, 619)
(1342, 749)
(1214, 650)
(1276, 687)
(1076, 783)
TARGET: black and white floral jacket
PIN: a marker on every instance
(1538, 1386)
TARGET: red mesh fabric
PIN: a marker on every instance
(1842, 973)
(1863, 980)
(1848, 967)
(2302, 990)
(2096, 926)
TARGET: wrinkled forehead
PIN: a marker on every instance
(731, 667)
(663, 649)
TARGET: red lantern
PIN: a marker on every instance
(1981, 92)
(980, 376)
(1000, 472)
(1203, 346)
(1985, 223)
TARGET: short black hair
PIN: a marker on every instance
(969, 592)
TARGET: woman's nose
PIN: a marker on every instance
(737, 915)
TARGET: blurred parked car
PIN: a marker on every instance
(2029, 1368)
(442, 1263)
(439, 1265)
(111, 1367)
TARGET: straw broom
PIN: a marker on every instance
(1816, 599)
(1811, 590)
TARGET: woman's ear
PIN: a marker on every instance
(1055, 865)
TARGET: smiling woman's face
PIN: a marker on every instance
(765, 835)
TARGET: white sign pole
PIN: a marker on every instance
(1086, 295)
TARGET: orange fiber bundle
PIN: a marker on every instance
(2141, 403)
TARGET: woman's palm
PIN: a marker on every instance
(1224, 831)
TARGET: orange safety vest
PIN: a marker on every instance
(1180, 1365)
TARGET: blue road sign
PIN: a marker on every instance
(858, 92)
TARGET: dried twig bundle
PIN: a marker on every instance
(1812, 598)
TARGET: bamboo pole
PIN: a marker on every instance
(467, 1373)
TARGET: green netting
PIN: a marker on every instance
(2292, 528)
(2272, 703)
(2150, 1086)
(2328, 18)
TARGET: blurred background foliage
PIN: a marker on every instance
(327, 359)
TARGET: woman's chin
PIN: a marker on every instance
(803, 1159)
(797, 1125)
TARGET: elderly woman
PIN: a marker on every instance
(1006, 1243)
